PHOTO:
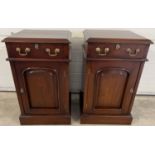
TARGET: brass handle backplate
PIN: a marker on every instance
(52, 53)
(23, 53)
(101, 52)
(133, 53)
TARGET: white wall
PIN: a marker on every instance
(147, 84)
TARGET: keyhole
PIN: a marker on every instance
(21, 90)
(36, 46)
(131, 90)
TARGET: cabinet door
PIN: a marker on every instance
(110, 86)
(42, 86)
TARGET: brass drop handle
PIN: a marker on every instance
(25, 53)
(133, 53)
(52, 54)
(102, 53)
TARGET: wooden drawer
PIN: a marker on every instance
(41, 50)
(112, 50)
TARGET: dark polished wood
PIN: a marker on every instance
(114, 62)
(40, 36)
(114, 36)
(40, 67)
(40, 52)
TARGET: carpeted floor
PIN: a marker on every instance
(143, 110)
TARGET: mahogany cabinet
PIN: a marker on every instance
(114, 62)
(40, 66)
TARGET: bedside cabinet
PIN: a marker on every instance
(114, 62)
(40, 66)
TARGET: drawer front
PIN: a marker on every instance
(42, 51)
(109, 50)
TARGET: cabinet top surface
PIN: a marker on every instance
(113, 35)
(39, 36)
